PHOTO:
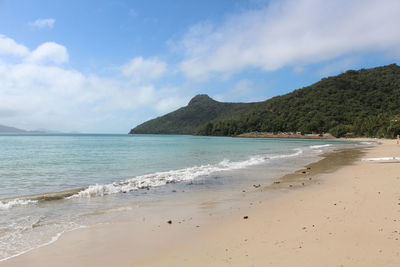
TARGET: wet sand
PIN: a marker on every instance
(340, 211)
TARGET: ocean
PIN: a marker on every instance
(53, 183)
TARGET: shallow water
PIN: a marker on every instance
(109, 173)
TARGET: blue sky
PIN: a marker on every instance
(105, 66)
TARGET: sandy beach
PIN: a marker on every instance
(341, 211)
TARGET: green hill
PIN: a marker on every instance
(364, 102)
(189, 120)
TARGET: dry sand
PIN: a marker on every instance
(347, 216)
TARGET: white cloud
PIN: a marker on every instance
(9, 47)
(140, 69)
(43, 23)
(54, 97)
(37, 95)
(290, 33)
(49, 53)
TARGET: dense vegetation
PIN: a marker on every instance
(361, 103)
(189, 120)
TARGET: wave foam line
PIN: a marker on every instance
(52, 240)
(368, 143)
(162, 178)
(298, 152)
(382, 159)
(15, 202)
(320, 146)
(8, 203)
(141, 182)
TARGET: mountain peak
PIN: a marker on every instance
(200, 99)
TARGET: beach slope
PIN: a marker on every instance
(349, 216)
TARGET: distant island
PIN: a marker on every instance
(9, 129)
(355, 103)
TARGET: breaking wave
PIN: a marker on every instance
(320, 146)
(144, 181)
(162, 178)
(15, 202)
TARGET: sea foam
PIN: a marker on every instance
(161, 178)
(320, 146)
(382, 159)
(145, 181)
(16, 202)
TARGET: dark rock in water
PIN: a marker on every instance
(245, 217)
(308, 168)
(303, 172)
(169, 222)
(256, 186)
(277, 182)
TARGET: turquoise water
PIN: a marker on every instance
(33, 164)
(49, 163)
(99, 168)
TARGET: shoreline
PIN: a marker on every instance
(351, 218)
(308, 175)
(180, 236)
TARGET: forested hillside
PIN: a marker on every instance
(189, 120)
(363, 103)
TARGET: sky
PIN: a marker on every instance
(104, 66)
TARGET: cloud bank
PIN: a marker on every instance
(39, 90)
(290, 33)
(8, 47)
(141, 69)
